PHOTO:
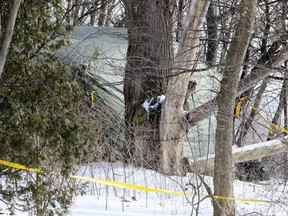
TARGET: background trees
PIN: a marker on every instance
(93, 12)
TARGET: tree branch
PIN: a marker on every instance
(264, 72)
(207, 109)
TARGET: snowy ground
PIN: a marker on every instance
(101, 199)
(106, 200)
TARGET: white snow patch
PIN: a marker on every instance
(148, 106)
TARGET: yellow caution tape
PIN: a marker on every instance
(239, 104)
(272, 126)
(284, 130)
(132, 186)
(19, 166)
(93, 98)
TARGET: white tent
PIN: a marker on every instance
(103, 51)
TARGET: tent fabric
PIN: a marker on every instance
(102, 50)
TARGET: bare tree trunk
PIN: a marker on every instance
(179, 19)
(226, 27)
(285, 155)
(84, 9)
(76, 8)
(8, 33)
(93, 12)
(248, 123)
(172, 123)
(102, 15)
(68, 8)
(223, 172)
(212, 35)
(111, 6)
(285, 101)
(149, 52)
(277, 115)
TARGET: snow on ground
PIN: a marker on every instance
(101, 199)
(107, 200)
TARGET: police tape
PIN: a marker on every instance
(272, 126)
(133, 186)
(93, 93)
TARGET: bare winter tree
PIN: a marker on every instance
(223, 172)
(173, 125)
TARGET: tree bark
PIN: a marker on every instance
(212, 36)
(179, 19)
(93, 13)
(149, 52)
(172, 123)
(111, 6)
(223, 172)
(76, 8)
(8, 33)
(102, 15)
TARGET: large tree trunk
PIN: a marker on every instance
(223, 172)
(172, 123)
(149, 52)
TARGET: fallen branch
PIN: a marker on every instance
(205, 165)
